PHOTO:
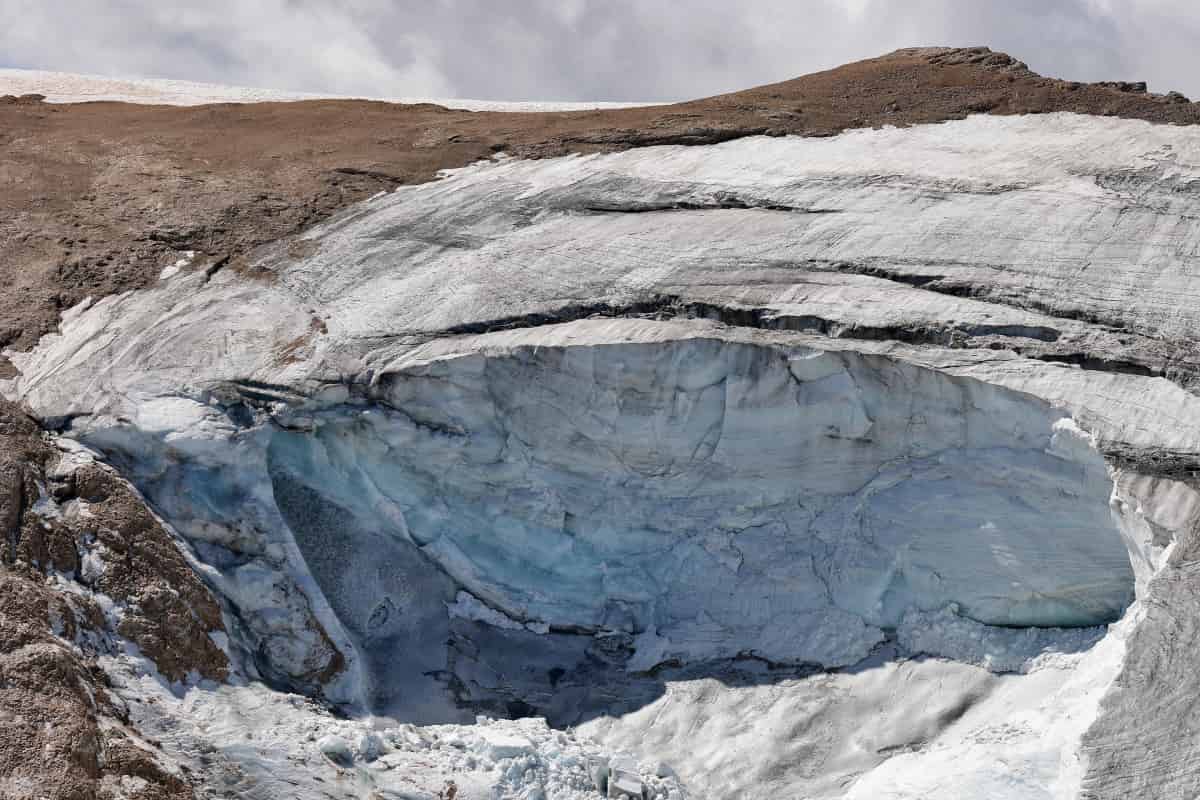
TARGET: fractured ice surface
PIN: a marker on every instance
(925, 382)
(717, 499)
(247, 741)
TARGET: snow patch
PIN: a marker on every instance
(172, 270)
(66, 87)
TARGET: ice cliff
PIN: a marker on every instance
(877, 411)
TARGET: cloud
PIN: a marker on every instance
(322, 46)
(581, 49)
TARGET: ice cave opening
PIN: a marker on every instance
(537, 529)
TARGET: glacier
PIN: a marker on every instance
(716, 499)
(812, 420)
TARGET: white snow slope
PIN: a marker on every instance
(815, 467)
(68, 87)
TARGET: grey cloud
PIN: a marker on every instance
(581, 49)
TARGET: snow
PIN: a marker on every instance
(248, 740)
(67, 87)
(917, 728)
(460, 481)
(171, 270)
(1019, 744)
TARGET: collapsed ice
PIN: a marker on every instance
(833, 393)
(711, 498)
(700, 499)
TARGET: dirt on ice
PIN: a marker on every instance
(98, 198)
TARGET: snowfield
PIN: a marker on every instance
(68, 87)
(842, 467)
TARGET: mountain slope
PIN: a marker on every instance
(101, 197)
(858, 463)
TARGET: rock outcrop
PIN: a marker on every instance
(84, 564)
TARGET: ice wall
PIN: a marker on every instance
(831, 391)
(711, 499)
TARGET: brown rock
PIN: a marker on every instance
(61, 736)
(97, 198)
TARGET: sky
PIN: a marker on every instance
(585, 50)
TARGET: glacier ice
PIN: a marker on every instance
(777, 402)
(703, 499)
(250, 741)
(725, 498)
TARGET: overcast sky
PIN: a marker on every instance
(582, 49)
